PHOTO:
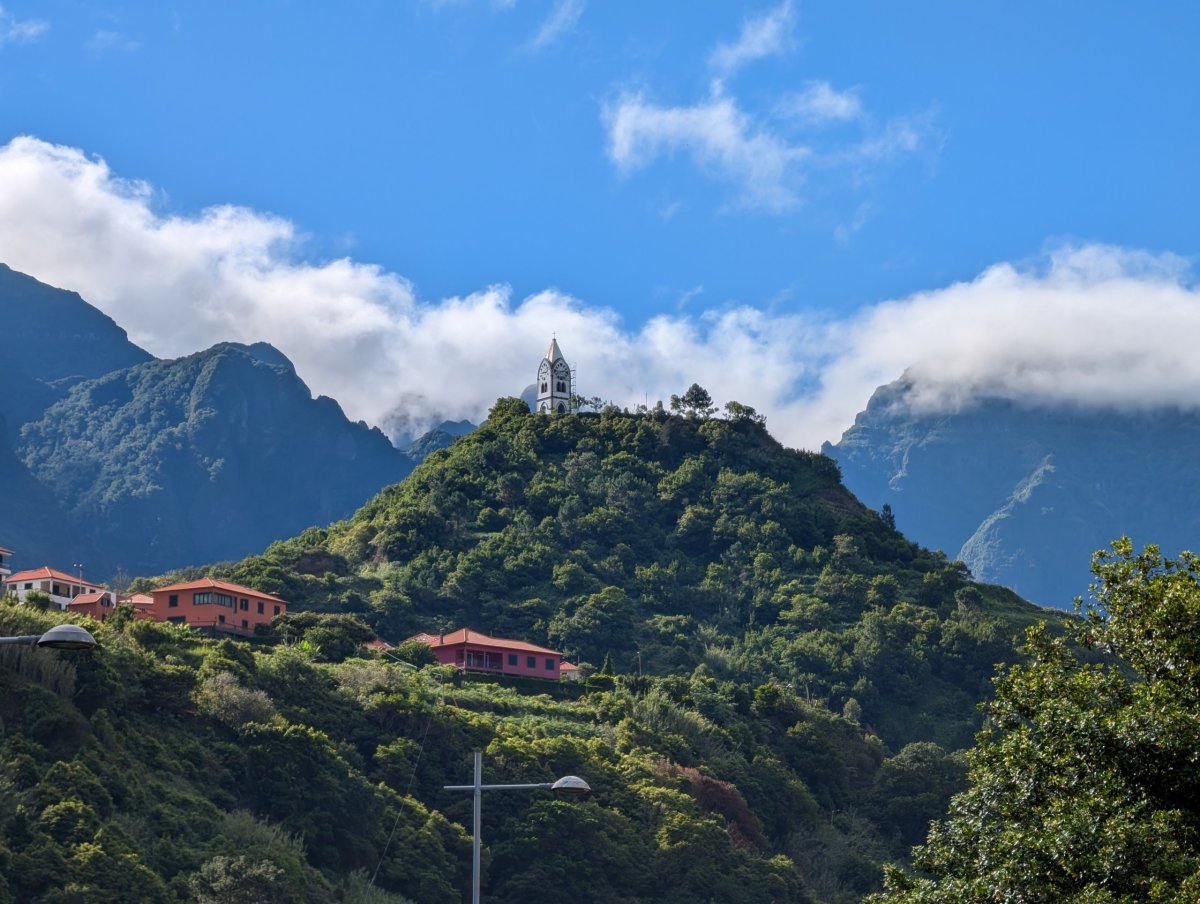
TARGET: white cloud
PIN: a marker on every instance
(20, 31)
(562, 20)
(765, 154)
(717, 135)
(1090, 324)
(761, 37)
(821, 103)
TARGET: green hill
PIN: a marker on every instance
(690, 541)
(792, 682)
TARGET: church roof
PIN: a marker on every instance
(553, 354)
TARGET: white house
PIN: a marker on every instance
(60, 586)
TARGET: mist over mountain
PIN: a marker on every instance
(1025, 493)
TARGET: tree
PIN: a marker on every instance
(743, 413)
(696, 401)
(1087, 786)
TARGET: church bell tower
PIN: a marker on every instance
(554, 382)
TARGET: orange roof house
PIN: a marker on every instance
(216, 605)
(142, 603)
(58, 585)
(472, 651)
(98, 605)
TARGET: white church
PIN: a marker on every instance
(555, 382)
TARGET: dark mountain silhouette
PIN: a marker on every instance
(1025, 494)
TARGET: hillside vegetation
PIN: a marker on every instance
(202, 458)
(785, 685)
(666, 543)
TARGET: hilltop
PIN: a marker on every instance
(664, 543)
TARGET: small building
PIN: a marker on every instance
(99, 605)
(475, 652)
(5, 571)
(568, 671)
(216, 605)
(142, 603)
(58, 585)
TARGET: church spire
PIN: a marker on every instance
(555, 382)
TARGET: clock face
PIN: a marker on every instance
(561, 371)
(544, 370)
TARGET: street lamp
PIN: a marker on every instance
(567, 785)
(60, 637)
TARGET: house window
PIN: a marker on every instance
(475, 660)
(550, 665)
(29, 586)
(260, 607)
(531, 662)
(245, 605)
(56, 590)
(208, 598)
(221, 619)
(245, 624)
(173, 600)
(276, 610)
(512, 658)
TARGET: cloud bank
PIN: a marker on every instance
(1089, 324)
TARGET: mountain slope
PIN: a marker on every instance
(1024, 495)
(52, 335)
(202, 458)
(663, 542)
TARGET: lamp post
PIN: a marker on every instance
(567, 785)
(60, 637)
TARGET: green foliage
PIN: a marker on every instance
(1085, 787)
(784, 678)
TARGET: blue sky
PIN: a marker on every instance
(691, 180)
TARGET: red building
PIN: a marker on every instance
(217, 605)
(475, 652)
(98, 605)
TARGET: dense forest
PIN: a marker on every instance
(782, 688)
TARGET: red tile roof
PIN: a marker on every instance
(210, 584)
(86, 599)
(475, 639)
(46, 573)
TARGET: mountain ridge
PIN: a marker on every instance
(1024, 493)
